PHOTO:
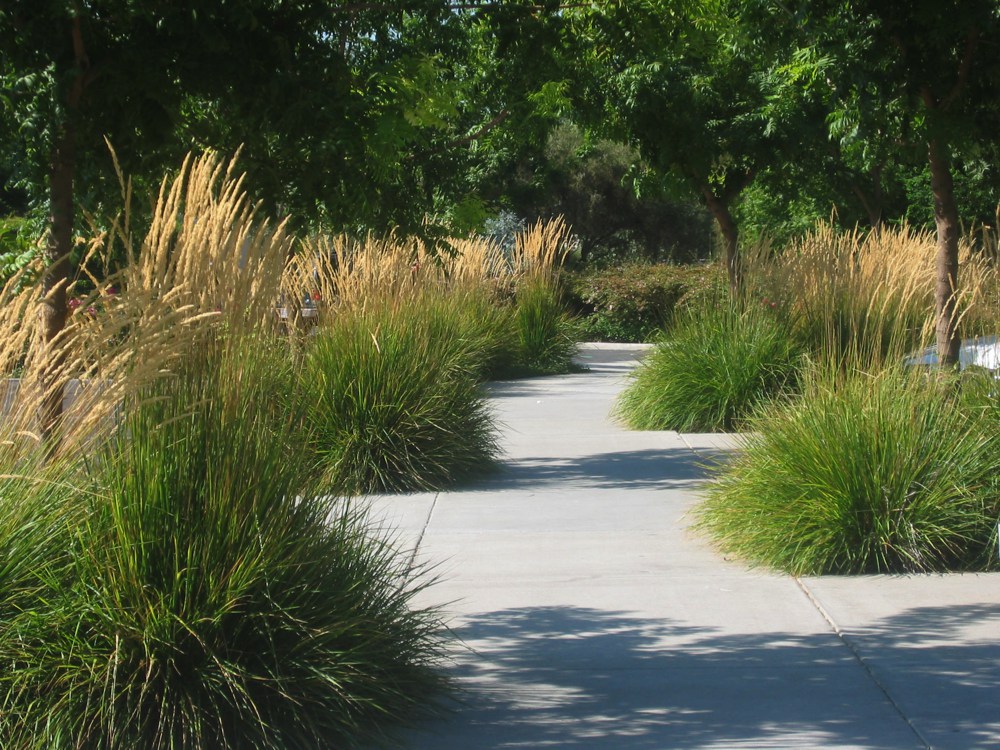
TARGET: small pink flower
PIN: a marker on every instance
(111, 291)
(92, 312)
(73, 303)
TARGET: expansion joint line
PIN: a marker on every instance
(864, 664)
(423, 530)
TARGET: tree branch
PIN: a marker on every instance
(466, 139)
(971, 42)
(731, 190)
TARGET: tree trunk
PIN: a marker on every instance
(946, 279)
(872, 204)
(730, 235)
(54, 308)
(946, 210)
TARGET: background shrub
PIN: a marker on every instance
(713, 369)
(16, 250)
(865, 473)
(633, 302)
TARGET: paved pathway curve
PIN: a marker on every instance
(592, 617)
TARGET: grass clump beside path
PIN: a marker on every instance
(208, 598)
(394, 398)
(866, 473)
(546, 337)
(717, 365)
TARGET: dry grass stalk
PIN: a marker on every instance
(540, 250)
(341, 272)
(208, 249)
(870, 283)
(206, 264)
(478, 261)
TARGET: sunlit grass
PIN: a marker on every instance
(523, 323)
(395, 402)
(713, 369)
(866, 472)
(845, 292)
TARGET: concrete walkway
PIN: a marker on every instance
(592, 617)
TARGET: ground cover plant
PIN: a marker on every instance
(868, 472)
(717, 365)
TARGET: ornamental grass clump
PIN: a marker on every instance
(345, 272)
(207, 262)
(547, 337)
(717, 365)
(212, 599)
(880, 472)
(394, 398)
(523, 322)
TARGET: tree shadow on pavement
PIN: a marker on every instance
(650, 469)
(572, 677)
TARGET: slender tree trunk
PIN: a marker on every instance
(873, 203)
(730, 234)
(54, 308)
(945, 209)
(946, 278)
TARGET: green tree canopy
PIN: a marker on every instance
(902, 77)
(686, 83)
